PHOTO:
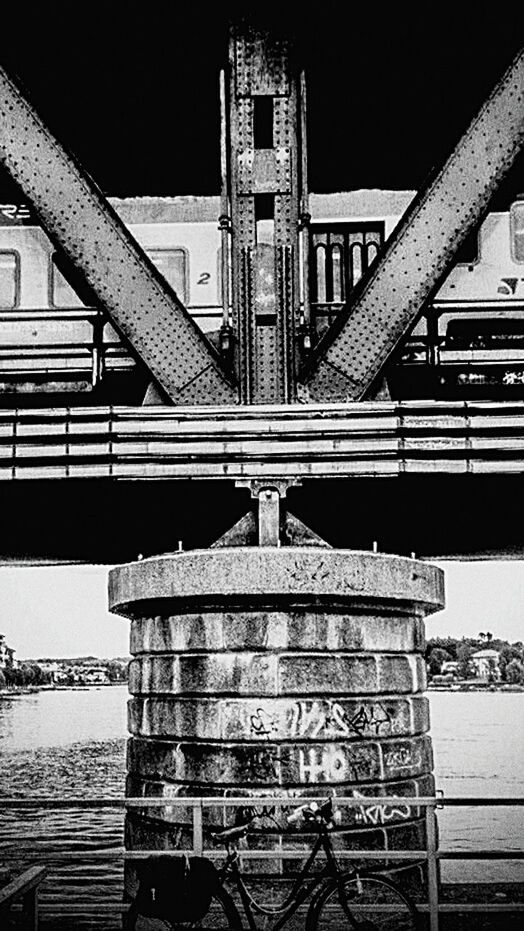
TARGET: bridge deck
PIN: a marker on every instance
(327, 441)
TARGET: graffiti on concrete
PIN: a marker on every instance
(304, 572)
(379, 814)
(402, 758)
(263, 766)
(370, 718)
(311, 719)
(263, 724)
(335, 764)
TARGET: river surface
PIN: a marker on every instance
(72, 743)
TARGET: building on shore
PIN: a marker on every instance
(7, 654)
(485, 664)
(51, 669)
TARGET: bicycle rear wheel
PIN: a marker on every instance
(372, 903)
(222, 915)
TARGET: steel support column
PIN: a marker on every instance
(351, 355)
(263, 190)
(79, 220)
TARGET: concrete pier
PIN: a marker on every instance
(295, 671)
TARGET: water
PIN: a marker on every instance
(72, 743)
(66, 743)
(478, 744)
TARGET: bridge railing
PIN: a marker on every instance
(432, 853)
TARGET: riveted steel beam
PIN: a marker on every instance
(79, 220)
(351, 355)
(262, 187)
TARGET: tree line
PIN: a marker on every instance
(23, 674)
(450, 649)
(29, 673)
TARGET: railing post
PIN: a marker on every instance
(198, 843)
(431, 842)
(30, 910)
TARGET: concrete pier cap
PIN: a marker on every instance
(236, 575)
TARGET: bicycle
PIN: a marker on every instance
(340, 899)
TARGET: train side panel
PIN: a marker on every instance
(469, 342)
(199, 248)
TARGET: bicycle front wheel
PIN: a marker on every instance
(366, 903)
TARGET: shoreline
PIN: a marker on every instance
(469, 686)
(466, 686)
(17, 692)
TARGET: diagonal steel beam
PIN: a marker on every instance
(78, 218)
(351, 355)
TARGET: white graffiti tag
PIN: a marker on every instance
(335, 764)
(380, 814)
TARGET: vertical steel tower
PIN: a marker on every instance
(264, 211)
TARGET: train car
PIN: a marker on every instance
(56, 348)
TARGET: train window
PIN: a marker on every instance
(320, 272)
(9, 279)
(173, 264)
(517, 230)
(484, 333)
(340, 254)
(337, 264)
(62, 294)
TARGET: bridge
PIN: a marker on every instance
(272, 399)
(254, 479)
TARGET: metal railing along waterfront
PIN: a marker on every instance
(431, 855)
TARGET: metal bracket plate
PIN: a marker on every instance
(262, 171)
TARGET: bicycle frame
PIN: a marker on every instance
(303, 887)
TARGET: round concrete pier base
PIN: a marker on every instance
(289, 671)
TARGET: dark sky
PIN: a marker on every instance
(132, 90)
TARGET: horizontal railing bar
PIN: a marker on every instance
(18, 852)
(454, 304)
(51, 314)
(278, 854)
(120, 909)
(89, 908)
(249, 801)
(49, 802)
(20, 314)
(474, 907)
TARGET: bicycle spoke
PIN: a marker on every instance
(372, 904)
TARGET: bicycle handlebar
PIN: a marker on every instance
(322, 813)
(298, 813)
(313, 812)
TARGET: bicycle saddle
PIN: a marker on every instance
(239, 830)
